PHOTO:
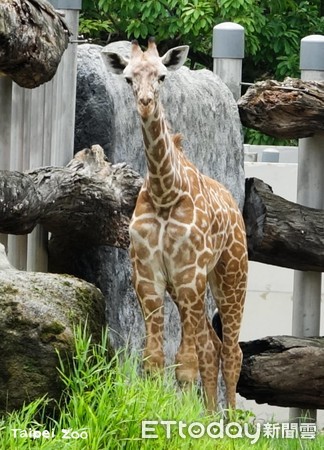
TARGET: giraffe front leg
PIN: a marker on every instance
(152, 305)
(186, 358)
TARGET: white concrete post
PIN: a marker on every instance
(228, 53)
(310, 192)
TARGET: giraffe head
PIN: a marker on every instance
(145, 71)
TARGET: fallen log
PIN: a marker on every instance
(33, 38)
(281, 232)
(88, 201)
(284, 371)
(290, 109)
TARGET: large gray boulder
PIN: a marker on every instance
(37, 314)
(198, 105)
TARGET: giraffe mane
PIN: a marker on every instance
(177, 140)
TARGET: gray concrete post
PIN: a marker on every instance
(5, 130)
(310, 192)
(228, 53)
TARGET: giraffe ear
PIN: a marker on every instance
(175, 57)
(114, 62)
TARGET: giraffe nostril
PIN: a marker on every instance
(145, 101)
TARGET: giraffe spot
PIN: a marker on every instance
(159, 150)
(155, 328)
(155, 129)
(186, 276)
(200, 202)
(148, 229)
(143, 204)
(204, 259)
(188, 294)
(168, 181)
(144, 290)
(156, 187)
(183, 212)
(144, 271)
(200, 283)
(142, 252)
(145, 138)
(197, 239)
(202, 221)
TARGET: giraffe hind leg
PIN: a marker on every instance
(229, 293)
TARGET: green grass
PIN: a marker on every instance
(105, 402)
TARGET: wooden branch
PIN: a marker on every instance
(88, 202)
(280, 232)
(33, 38)
(284, 371)
(289, 109)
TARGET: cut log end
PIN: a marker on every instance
(291, 109)
(284, 371)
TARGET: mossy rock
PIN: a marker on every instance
(38, 312)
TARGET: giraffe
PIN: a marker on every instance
(186, 231)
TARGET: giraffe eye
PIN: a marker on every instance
(161, 78)
(129, 80)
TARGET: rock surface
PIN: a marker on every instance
(37, 315)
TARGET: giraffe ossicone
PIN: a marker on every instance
(186, 231)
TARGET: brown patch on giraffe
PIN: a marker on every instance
(156, 188)
(159, 150)
(155, 128)
(200, 283)
(204, 259)
(143, 204)
(202, 221)
(146, 290)
(184, 211)
(144, 270)
(142, 252)
(145, 138)
(185, 254)
(197, 238)
(185, 276)
(168, 181)
(200, 203)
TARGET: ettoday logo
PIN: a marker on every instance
(196, 430)
(232, 430)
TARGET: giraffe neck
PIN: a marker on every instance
(164, 168)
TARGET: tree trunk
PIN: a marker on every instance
(280, 232)
(284, 371)
(33, 37)
(291, 109)
(88, 202)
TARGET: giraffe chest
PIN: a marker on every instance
(174, 242)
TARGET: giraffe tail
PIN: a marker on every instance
(217, 325)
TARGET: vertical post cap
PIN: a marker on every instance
(312, 52)
(66, 4)
(228, 41)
